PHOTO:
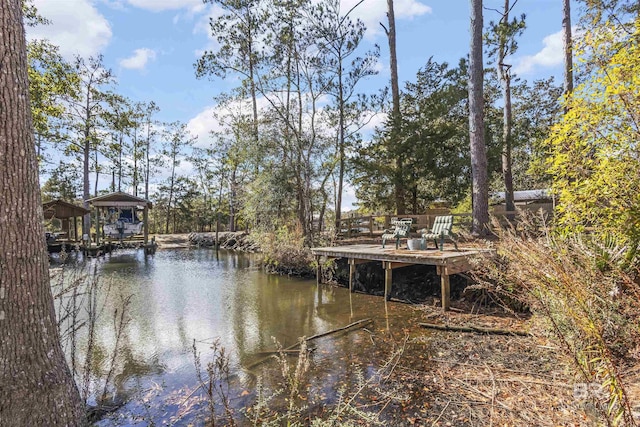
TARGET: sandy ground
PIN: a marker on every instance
(172, 241)
(179, 240)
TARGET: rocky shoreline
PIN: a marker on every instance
(230, 240)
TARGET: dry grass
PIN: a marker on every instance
(586, 300)
(484, 380)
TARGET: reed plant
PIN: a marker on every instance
(80, 298)
(346, 410)
(214, 382)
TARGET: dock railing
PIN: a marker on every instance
(373, 225)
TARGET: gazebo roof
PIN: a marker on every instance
(62, 209)
(119, 200)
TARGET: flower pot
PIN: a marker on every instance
(414, 244)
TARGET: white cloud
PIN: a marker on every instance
(374, 12)
(217, 118)
(76, 26)
(160, 5)
(139, 59)
(211, 119)
(202, 27)
(376, 121)
(203, 124)
(408, 9)
(550, 55)
(114, 4)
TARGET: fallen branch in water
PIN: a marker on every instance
(475, 329)
(291, 351)
(359, 324)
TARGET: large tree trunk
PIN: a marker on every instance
(172, 183)
(147, 163)
(399, 189)
(507, 174)
(120, 164)
(36, 387)
(341, 150)
(233, 192)
(95, 185)
(476, 124)
(86, 189)
(567, 46)
(505, 80)
(135, 161)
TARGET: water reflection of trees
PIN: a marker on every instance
(179, 296)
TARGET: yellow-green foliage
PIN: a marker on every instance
(595, 162)
(464, 206)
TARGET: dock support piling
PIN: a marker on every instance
(318, 271)
(388, 276)
(352, 273)
(445, 290)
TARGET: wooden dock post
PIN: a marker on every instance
(145, 224)
(445, 290)
(446, 262)
(388, 277)
(318, 270)
(352, 273)
(445, 286)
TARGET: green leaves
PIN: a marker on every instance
(432, 144)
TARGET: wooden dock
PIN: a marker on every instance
(447, 262)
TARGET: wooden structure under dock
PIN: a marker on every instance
(447, 262)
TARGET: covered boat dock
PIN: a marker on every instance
(119, 200)
(68, 214)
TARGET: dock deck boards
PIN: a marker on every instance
(447, 262)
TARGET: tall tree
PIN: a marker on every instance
(64, 183)
(138, 142)
(36, 387)
(536, 108)
(480, 186)
(149, 111)
(396, 118)
(50, 78)
(594, 149)
(339, 39)
(434, 136)
(119, 118)
(567, 47)
(299, 76)
(237, 31)
(501, 40)
(85, 112)
(177, 140)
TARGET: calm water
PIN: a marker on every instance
(179, 296)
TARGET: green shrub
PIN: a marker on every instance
(284, 252)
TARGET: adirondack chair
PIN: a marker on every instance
(440, 231)
(401, 228)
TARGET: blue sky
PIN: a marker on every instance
(151, 45)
